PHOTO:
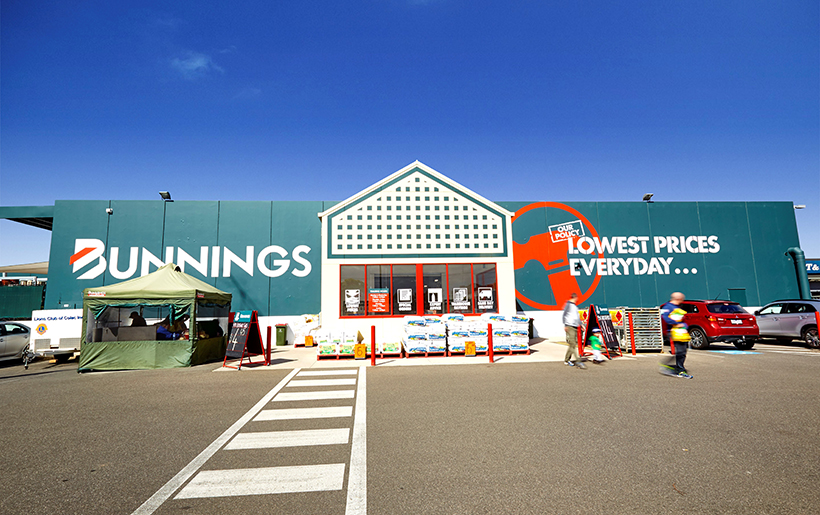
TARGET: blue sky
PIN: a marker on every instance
(561, 101)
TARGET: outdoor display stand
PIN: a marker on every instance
(387, 349)
(245, 340)
(599, 318)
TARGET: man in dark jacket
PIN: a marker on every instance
(678, 349)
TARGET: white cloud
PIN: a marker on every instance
(194, 65)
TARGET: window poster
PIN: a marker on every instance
(352, 299)
(434, 296)
(405, 296)
(485, 297)
(379, 299)
(460, 301)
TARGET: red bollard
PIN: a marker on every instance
(632, 334)
(372, 345)
(817, 321)
(267, 351)
(580, 341)
(490, 342)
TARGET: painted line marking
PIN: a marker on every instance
(328, 373)
(314, 396)
(302, 438)
(304, 413)
(165, 492)
(262, 481)
(357, 478)
(733, 352)
(321, 382)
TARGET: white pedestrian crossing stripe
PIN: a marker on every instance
(304, 413)
(261, 481)
(343, 372)
(302, 438)
(321, 382)
(314, 396)
(285, 479)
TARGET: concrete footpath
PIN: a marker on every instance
(289, 357)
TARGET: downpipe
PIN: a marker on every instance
(799, 260)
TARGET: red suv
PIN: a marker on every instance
(719, 321)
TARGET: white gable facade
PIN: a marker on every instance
(414, 235)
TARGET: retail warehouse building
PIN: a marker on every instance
(419, 243)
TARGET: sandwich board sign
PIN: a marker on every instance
(245, 339)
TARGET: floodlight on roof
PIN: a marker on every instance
(648, 197)
(165, 196)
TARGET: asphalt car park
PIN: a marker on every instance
(534, 437)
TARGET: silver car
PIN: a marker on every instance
(14, 340)
(790, 319)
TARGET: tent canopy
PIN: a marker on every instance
(165, 283)
(111, 341)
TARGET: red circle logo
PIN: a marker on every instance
(550, 250)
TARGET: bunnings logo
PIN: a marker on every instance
(271, 261)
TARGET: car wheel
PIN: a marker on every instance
(699, 340)
(810, 337)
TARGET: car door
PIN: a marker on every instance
(16, 338)
(796, 314)
(768, 319)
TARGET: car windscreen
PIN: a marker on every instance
(723, 309)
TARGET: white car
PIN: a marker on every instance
(14, 340)
(788, 320)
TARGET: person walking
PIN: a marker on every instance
(572, 320)
(597, 347)
(672, 318)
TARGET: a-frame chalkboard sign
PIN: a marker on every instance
(245, 339)
(600, 318)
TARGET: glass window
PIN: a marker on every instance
(486, 287)
(378, 290)
(404, 289)
(435, 289)
(724, 308)
(460, 289)
(774, 309)
(352, 290)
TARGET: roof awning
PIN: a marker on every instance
(41, 217)
(26, 269)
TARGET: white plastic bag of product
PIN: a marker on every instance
(436, 342)
(415, 343)
(456, 343)
(519, 319)
(414, 321)
(518, 343)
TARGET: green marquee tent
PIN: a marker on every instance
(162, 320)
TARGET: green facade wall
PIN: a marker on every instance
(753, 238)
(751, 262)
(162, 228)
